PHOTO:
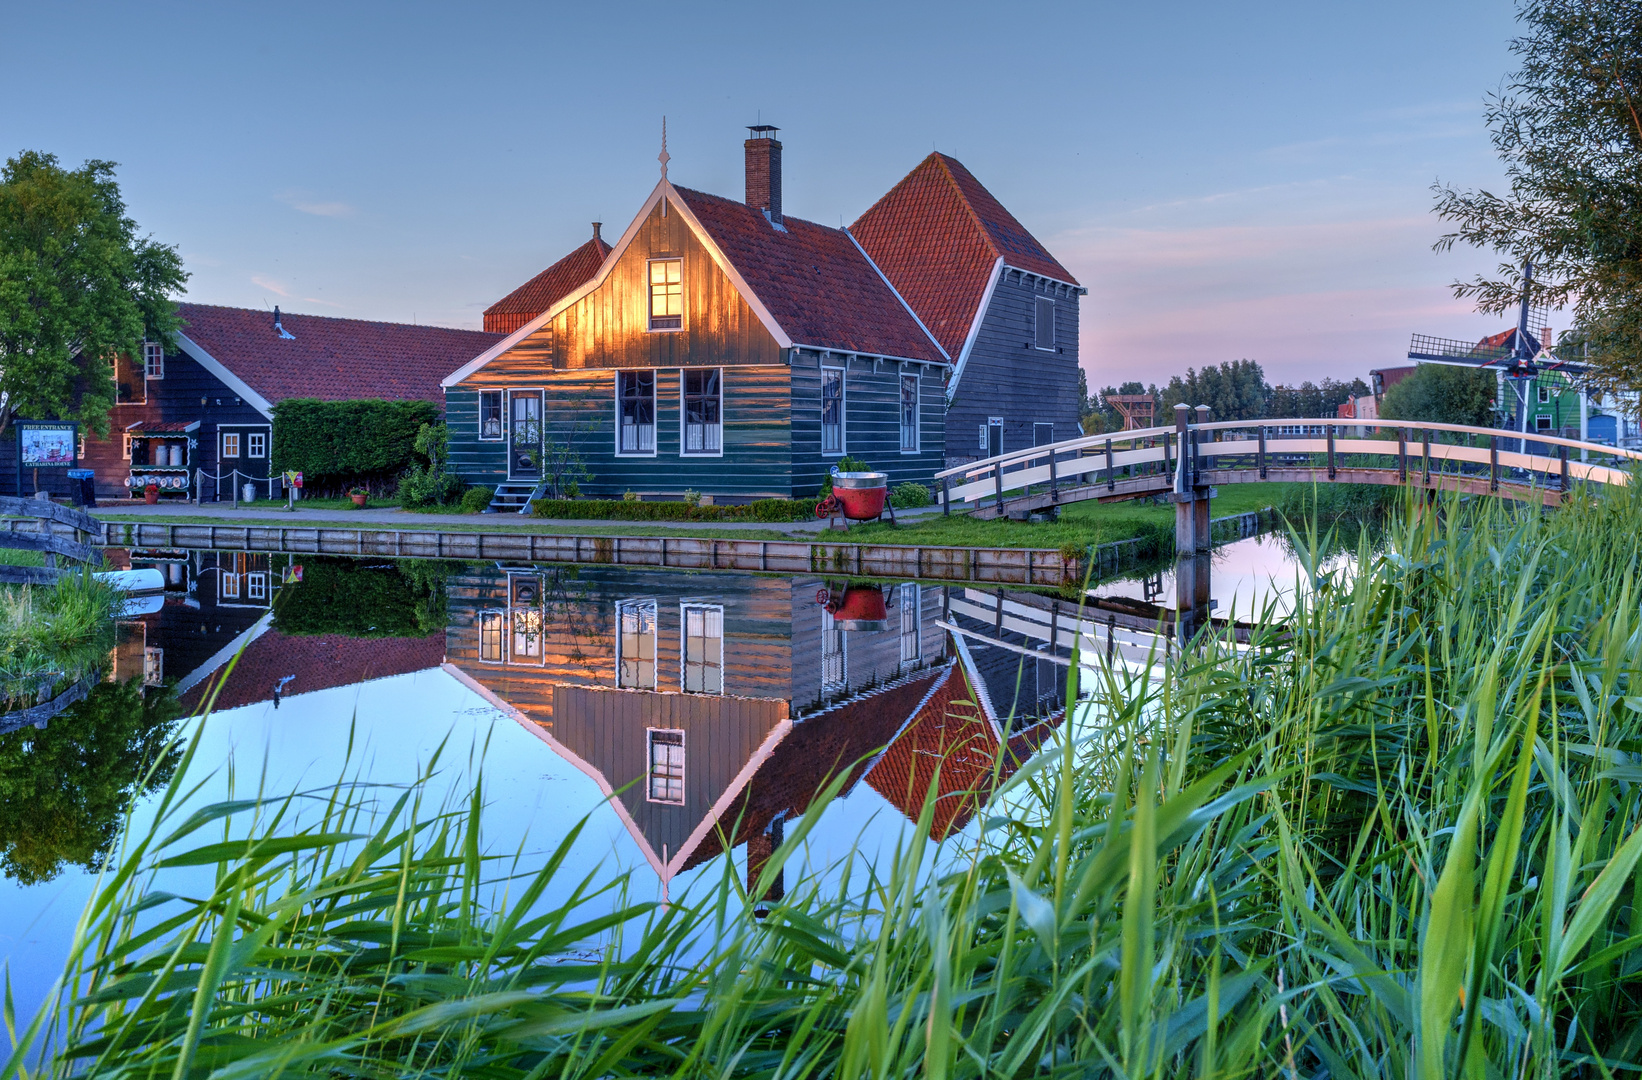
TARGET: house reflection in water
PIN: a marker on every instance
(715, 707)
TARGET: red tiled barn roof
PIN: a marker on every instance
(319, 663)
(951, 731)
(813, 280)
(546, 288)
(937, 234)
(331, 359)
(811, 756)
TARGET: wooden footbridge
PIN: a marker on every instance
(1188, 460)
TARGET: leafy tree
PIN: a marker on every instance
(77, 287)
(1442, 394)
(64, 789)
(1234, 390)
(1568, 126)
(434, 483)
(1313, 399)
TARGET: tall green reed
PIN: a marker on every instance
(1398, 834)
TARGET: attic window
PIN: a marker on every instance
(1044, 323)
(666, 766)
(666, 294)
(153, 360)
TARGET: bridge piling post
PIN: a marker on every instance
(997, 475)
(1426, 467)
(1493, 463)
(1111, 475)
(946, 500)
(1260, 454)
(1562, 452)
(1054, 479)
(1402, 455)
(1330, 429)
(1197, 439)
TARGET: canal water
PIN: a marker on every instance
(677, 713)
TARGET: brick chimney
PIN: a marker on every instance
(764, 170)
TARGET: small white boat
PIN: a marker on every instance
(145, 580)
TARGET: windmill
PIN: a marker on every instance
(1522, 353)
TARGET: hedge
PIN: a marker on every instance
(335, 443)
(773, 510)
(364, 600)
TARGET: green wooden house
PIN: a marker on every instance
(719, 346)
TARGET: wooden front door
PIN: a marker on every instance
(524, 427)
(994, 436)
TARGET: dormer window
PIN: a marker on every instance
(666, 294)
(153, 360)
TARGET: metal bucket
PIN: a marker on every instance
(862, 494)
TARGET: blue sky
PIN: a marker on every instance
(1228, 180)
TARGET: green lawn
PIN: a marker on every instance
(1081, 524)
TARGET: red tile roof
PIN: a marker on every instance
(546, 288)
(813, 280)
(812, 755)
(331, 359)
(937, 234)
(951, 731)
(318, 663)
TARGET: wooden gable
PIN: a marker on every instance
(609, 327)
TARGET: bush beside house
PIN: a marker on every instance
(337, 445)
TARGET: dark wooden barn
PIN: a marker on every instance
(999, 303)
(195, 415)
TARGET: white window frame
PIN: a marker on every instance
(917, 412)
(843, 411)
(1542, 422)
(994, 422)
(650, 453)
(153, 360)
(684, 610)
(683, 410)
(227, 585)
(222, 444)
(1038, 303)
(912, 623)
(644, 609)
(650, 734)
(498, 618)
(650, 297)
(501, 416)
(841, 683)
(1544, 394)
(527, 622)
(256, 445)
(125, 446)
(256, 585)
(984, 443)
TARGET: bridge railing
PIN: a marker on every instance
(1092, 461)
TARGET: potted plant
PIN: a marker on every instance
(151, 494)
(358, 495)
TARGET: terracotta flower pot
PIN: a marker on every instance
(358, 500)
(151, 494)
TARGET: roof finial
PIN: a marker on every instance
(663, 157)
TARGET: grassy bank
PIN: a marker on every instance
(52, 635)
(1399, 838)
(1081, 524)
